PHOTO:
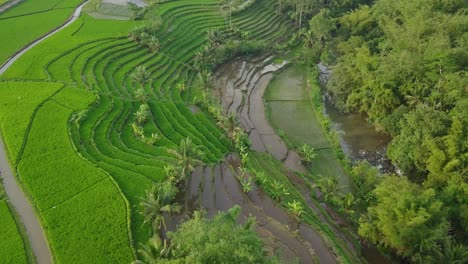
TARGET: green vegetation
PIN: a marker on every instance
(202, 240)
(402, 63)
(81, 159)
(276, 180)
(29, 20)
(18, 104)
(12, 249)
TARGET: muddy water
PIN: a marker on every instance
(246, 82)
(358, 138)
(290, 110)
(241, 87)
(217, 189)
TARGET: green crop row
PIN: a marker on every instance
(12, 250)
(83, 212)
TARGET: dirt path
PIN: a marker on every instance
(7, 5)
(15, 194)
(24, 209)
(20, 53)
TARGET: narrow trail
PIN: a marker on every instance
(21, 52)
(7, 5)
(15, 194)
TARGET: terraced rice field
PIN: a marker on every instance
(29, 20)
(241, 86)
(75, 153)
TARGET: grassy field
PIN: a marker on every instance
(29, 20)
(11, 244)
(19, 102)
(77, 155)
(84, 169)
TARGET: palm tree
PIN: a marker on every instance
(141, 95)
(215, 37)
(451, 252)
(205, 78)
(158, 201)
(138, 130)
(141, 75)
(142, 114)
(153, 44)
(188, 157)
(155, 250)
(229, 124)
(308, 153)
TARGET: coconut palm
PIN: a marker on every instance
(205, 78)
(158, 201)
(141, 95)
(153, 44)
(229, 124)
(328, 186)
(142, 114)
(155, 250)
(188, 156)
(141, 75)
(138, 130)
(215, 37)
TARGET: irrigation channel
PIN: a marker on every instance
(15, 194)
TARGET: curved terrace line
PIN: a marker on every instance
(18, 55)
(14, 192)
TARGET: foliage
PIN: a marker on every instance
(159, 200)
(406, 218)
(141, 75)
(307, 153)
(202, 240)
(296, 208)
(29, 21)
(188, 156)
(11, 244)
(365, 178)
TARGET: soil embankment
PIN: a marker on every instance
(240, 87)
(217, 189)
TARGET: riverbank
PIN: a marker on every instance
(240, 86)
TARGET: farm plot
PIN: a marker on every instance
(70, 152)
(29, 20)
(11, 244)
(19, 102)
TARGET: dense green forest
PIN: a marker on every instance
(402, 64)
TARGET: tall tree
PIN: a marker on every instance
(141, 75)
(405, 218)
(159, 200)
